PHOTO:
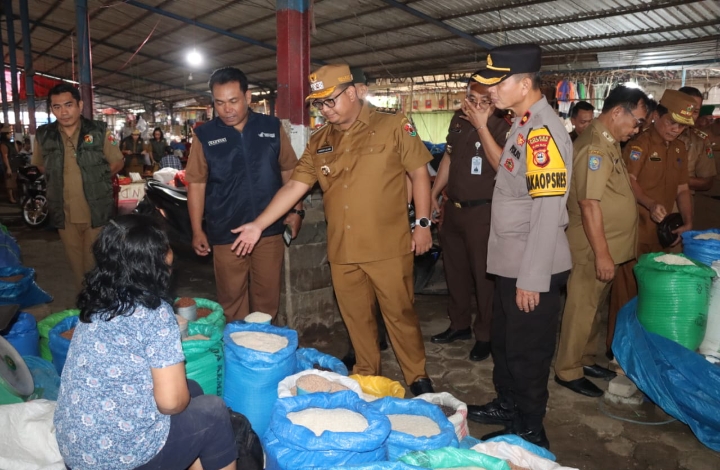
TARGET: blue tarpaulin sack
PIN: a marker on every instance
(45, 377)
(372, 466)
(678, 380)
(23, 334)
(289, 446)
(705, 251)
(23, 292)
(252, 377)
(9, 249)
(307, 358)
(400, 443)
(58, 345)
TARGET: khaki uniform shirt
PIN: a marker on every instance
(701, 163)
(77, 210)
(599, 174)
(659, 167)
(529, 214)
(471, 176)
(361, 171)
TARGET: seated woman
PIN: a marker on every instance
(170, 160)
(124, 401)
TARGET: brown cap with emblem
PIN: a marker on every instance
(136, 132)
(680, 106)
(325, 79)
(508, 60)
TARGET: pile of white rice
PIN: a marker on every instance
(674, 260)
(415, 425)
(319, 420)
(707, 236)
(265, 342)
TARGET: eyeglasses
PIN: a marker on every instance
(475, 102)
(638, 122)
(330, 102)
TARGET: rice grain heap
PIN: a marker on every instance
(319, 420)
(415, 425)
(265, 342)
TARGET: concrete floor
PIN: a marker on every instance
(581, 435)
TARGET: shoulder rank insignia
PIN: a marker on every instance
(607, 135)
(700, 133)
(386, 110)
(546, 173)
(316, 130)
(525, 118)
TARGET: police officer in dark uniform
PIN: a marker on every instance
(467, 172)
(528, 250)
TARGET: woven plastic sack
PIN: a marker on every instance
(290, 447)
(705, 251)
(58, 345)
(710, 345)
(216, 317)
(252, 377)
(22, 333)
(308, 358)
(518, 455)
(371, 466)
(673, 300)
(45, 377)
(450, 457)
(286, 385)
(23, 292)
(459, 419)
(678, 380)
(9, 249)
(47, 324)
(377, 386)
(205, 359)
(516, 440)
(400, 443)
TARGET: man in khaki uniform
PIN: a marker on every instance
(657, 163)
(701, 162)
(360, 159)
(602, 233)
(79, 158)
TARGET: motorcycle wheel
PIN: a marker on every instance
(35, 211)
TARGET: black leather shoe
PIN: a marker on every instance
(535, 436)
(383, 345)
(599, 372)
(450, 335)
(582, 386)
(494, 412)
(480, 351)
(421, 386)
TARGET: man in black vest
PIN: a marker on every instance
(237, 162)
(79, 158)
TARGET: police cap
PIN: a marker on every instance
(505, 61)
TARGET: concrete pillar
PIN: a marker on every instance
(84, 56)
(13, 65)
(29, 69)
(307, 300)
(3, 86)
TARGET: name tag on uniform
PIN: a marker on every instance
(327, 149)
(476, 166)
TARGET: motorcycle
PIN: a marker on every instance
(171, 203)
(32, 188)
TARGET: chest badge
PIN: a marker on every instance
(509, 164)
(325, 170)
(88, 139)
(520, 140)
(655, 158)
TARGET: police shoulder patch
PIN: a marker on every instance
(546, 173)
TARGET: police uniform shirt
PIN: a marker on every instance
(529, 216)
(471, 176)
(599, 174)
(659, 168)
(361, 171)
(701, 163)
(77, 210)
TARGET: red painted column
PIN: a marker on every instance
(293, 60)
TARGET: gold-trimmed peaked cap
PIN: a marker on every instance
(680, 106)
(325, 79)
(504, 61)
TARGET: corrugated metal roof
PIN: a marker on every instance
(140, 55)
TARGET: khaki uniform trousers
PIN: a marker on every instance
(390, 281)
(78, 240)
(261, 271)
(580, 328)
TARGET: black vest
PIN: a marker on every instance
(243, 174)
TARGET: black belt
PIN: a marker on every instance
(473, 203)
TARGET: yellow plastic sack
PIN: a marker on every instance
(379, 386)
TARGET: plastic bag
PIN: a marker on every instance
(58, 345)
(710, 345)
(28, 441)
(285, 386)
(290, 447)
(516, 440)
(705, 251)
(45, 377)
(22, 333)
(371, 466)
(673, 300)
(678, 380)
(459, 419)
(205, 359)
(450, 457)
(400, 443)
(252, 377)
(378, 386)
(47, 324)
(518, 456)
(23, 292)
(9, 249)
(308, 357)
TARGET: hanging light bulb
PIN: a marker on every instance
(194, 58)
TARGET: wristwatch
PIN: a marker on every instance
(423, 222)
(301, 213)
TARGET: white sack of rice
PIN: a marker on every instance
(258, 317)
(674, 260)
(707, 236)
(319, 420)
(265, 342)
(196, 337)
(418, 426)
